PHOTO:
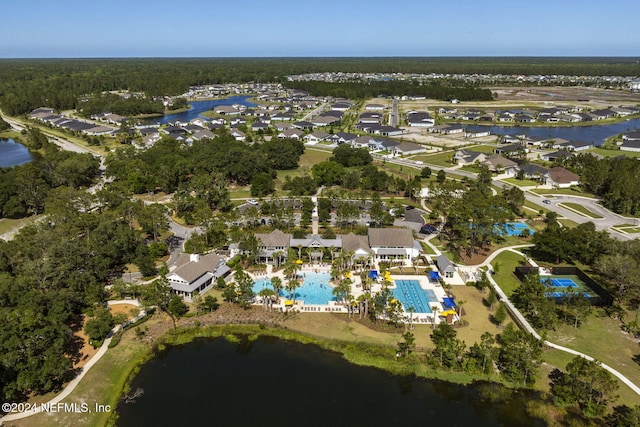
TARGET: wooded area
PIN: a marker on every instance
(26, 84)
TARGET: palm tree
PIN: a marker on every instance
(276, 256)
(460, 304)
(292, 285)
(267, 297)
(434, 309)
(276, 284)
(411, 310)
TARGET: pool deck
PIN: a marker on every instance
(356, 291)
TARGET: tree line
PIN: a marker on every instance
(613, 180)
(444, 91)
(25, 188)
(55, 270)
(26, 84)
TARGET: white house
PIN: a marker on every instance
(196, 273)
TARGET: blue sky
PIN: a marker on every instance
(201, 28)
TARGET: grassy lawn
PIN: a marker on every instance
(312, 156)
(240, 193)
(471, 168)
(572, 191)
(614, 153)
(8, 224)
(102, 384)
(482, 148)
(440, 159)
(568, 223)
(504, 265)
(520, 182)
(602, 339)
(580, 209)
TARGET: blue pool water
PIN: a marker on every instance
(314, 290)
(409, 293)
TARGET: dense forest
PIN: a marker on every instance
(24, 189)
(615, 181)
(26, 84)
(358, 90)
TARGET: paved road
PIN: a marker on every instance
(609, 218)
(394, 117)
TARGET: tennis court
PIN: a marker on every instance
(559, 286)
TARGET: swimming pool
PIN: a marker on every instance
(315, 288)
(410, 294)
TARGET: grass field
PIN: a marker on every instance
(520, 182)
(482, 148)
(568, 223)
(504, 265)
(439, 159)
(601, 338)
(572, 191)
(580, 209)
(614, 153)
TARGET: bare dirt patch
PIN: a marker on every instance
(123, 308)
(80, 351)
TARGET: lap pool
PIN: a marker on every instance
(315, 288)
(410, 294)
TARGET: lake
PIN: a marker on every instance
(13, 153)
(593, 133)
(274, 382)
(199, 107)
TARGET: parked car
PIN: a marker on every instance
(428, 229)
(252, 202)
(409, 207)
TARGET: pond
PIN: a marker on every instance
(593, 133)
(268, 381)
(199, 107)
(13, 153)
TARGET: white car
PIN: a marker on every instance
(252, 202)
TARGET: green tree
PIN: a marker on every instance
(99, 326)
(407, 344)
(520, 355)
(425, 172)
(177, 307)
(531, 299)
(448, 351)
(624, 416)
(441, 176)
(348, 156)
(262, 184)
(484, 353)
(585, 384)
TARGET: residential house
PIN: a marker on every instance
(573, 145)
(317, 137)
(469, 157)
(238, 134)
(499, 164)
(630, 145)
(374, 107)
(420, 119)
(291, 133)
(556, 156)
(561, 178)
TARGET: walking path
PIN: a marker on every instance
(525, 324)
(83, 371)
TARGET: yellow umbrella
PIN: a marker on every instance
(288, 302)
(299, 261)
